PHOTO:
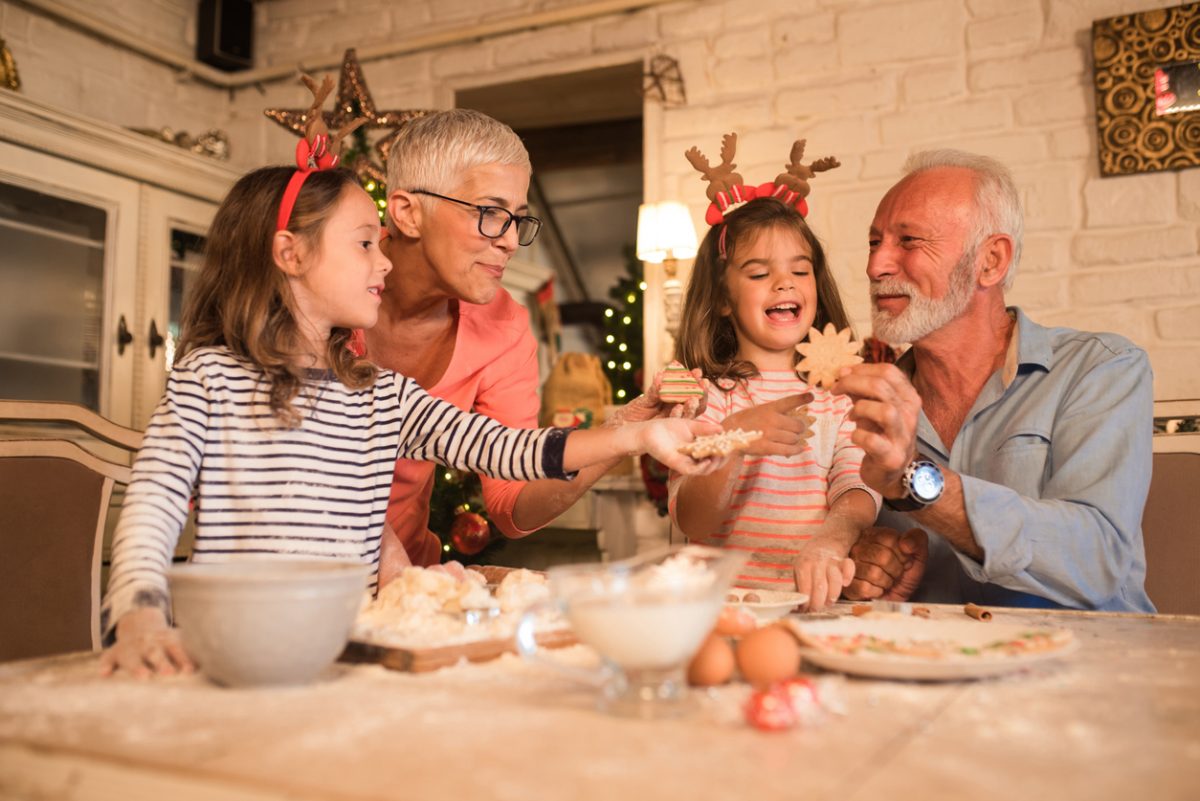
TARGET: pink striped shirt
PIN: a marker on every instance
(779, 502)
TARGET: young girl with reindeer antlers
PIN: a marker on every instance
(793, 499)
(285, 438)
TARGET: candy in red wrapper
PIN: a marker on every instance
(771, 709)
(803, 697)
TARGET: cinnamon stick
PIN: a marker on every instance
(977, 612)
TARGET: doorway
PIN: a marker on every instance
(583, 131)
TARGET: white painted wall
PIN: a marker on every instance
(865, 80)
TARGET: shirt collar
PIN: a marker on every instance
(1030, 344)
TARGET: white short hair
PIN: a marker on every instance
(432, 152)
(998, 207)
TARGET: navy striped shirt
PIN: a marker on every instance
(319, 489)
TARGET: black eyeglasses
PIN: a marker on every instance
(495, 220)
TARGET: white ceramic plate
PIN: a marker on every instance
(772, 604)
(939, 650)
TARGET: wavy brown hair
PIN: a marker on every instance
(707, 339)
(242, 300)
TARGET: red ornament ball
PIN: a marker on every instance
(469, 533)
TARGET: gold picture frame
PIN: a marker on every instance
(1126, 51)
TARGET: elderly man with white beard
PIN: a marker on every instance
(1016, 458)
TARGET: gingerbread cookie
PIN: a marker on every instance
(678, 385)
(826, 353)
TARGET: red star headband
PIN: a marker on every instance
(316, 150)
(727, 188)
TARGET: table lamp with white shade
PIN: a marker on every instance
(665, 235)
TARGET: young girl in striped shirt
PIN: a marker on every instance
(283, 437)
(794, 501)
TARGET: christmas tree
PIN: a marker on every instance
(621, 349)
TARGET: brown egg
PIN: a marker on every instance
(735, 622)
(712, 664)
(768, 655)
(751, 598)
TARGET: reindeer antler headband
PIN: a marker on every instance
(726, 188)
(316, 150)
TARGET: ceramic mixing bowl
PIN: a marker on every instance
(259, 622)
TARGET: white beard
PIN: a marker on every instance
(924, 314)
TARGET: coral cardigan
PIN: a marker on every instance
(494, 371)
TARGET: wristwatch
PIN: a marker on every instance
(923, 484)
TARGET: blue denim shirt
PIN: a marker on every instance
(1055, 465)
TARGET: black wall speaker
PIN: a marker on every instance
(225, 34)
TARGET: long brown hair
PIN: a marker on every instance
(707, 339)
(242, 300)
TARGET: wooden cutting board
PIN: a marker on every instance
(422, 660)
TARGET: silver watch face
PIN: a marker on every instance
(926, 482)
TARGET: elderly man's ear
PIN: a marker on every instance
(996, 253)
(405, 212)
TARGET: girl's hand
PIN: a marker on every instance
(146, 646)
(649, 406)
(661, 439)
(821, 574)
(783, 423)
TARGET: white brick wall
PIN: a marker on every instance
(67, 67)
(866, 81)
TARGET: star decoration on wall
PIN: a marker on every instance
(353, 100)
(663, 81)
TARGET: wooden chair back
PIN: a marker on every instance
(55, 496)
(1171, 521)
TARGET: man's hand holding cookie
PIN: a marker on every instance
(886, 409)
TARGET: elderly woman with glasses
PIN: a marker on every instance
(457, 212)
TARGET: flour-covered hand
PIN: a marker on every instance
(662, 439)
(783, 423)
(821, 573)
(146, 645)
(651, 405)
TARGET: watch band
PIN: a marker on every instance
(905, 504)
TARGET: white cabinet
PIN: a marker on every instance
(99, 230)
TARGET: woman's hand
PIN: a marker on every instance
(651, 405)
(784, 424)
(146, 646)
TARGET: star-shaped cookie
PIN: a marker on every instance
(826, 353)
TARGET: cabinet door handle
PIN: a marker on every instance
(156, 339)
(123, 336)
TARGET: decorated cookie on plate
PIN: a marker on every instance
(826, 353)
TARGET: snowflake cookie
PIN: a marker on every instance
(826, 353)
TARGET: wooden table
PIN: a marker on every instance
(1118, 719)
